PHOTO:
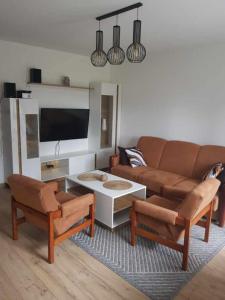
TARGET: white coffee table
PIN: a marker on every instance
(106, 198)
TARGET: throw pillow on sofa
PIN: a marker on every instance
(214, 171)
(136, 158)
(221, 176)
(124, 160)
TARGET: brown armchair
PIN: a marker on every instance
(56, 212)
(169, 219)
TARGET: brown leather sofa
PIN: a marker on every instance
(173, 167)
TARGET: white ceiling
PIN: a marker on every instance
(70, 24)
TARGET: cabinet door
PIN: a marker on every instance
(29, 138)
(81, 164)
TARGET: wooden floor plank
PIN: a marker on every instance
(74, 275)
(25, 274)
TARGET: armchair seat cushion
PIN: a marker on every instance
(156, 179)
(128, 172)
(63, 224)
(62, 197)
(73, 210)
(164, 202)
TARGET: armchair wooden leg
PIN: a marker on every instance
(92, 216)
(133, 226)
(186, 245)
(14, 220)
(50, 239)
(208, 222)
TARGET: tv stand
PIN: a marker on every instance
(66, 164)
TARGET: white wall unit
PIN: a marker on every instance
(21, 145)
(67, 164)
(61, 97)
(9, 137)
(83, 163)
(17, 58)
(103, 110)
(20, 137)
(29, 137)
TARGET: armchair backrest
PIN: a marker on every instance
(199, 198)
(33, 193)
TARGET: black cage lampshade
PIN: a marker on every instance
(116, 54)
(136, 51)
(98, 57)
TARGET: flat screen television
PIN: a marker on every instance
(58, 124)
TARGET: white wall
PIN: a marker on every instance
(176, 95)
(16, 59)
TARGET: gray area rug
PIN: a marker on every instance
(153, 269)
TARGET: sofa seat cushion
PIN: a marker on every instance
(180, 189)
(166, 230)
(128, 172)
(156, 179)
(187, 184)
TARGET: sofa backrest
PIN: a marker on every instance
(32, 193)
(183, 158)
(179, 157)
(152, 148)
(207, 156)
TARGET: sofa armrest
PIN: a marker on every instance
(77, 204)
(156, 212)
(114, 160)
(53, 185)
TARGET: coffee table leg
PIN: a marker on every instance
(104, 209)
(140, 194)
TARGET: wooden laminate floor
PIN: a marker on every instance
(24, 273)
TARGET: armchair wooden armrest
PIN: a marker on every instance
(53, 185)
(77, 204)
(114, 160)
(157, 212)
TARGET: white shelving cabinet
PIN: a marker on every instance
(20, 123)
(66, 164)
(103, 124)
(20, 137)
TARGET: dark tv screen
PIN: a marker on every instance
(58, 124)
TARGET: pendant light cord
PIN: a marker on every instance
(137, 14)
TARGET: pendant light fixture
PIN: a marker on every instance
(136, 51)
(116, 54)
(98, 57)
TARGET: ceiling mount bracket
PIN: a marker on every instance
(119, 11)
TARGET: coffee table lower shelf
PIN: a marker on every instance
(121, 217)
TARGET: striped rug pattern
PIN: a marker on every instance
(153, 269)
